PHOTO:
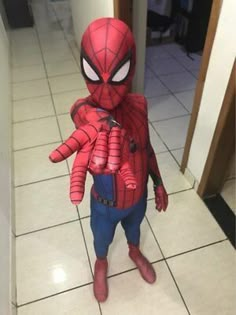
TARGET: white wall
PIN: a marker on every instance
(220, 66)
(139, 31)
(5, 176)
(84, 12)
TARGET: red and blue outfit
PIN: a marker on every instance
(112, 142)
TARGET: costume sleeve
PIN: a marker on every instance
(83, 111)
(153, 167)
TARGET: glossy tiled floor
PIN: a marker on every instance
(191, 255)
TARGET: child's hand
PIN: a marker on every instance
(161, 198)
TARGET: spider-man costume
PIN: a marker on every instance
(112, 142)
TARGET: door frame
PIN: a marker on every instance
(222, 145)
(212, 27)
(123, 10)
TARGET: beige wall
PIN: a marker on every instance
(5, 176)
(84, 12)
(220, 66)
(139, 30)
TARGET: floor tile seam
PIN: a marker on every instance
(45, 77)
(64, 74)
(44, 61)
(169, 73)
(161, 151)
(72, 51)
(37, 97)
(87, 253)
(179, 164)
(32, 119)
(158, 134)
(63, 31)
(170, 118)
(46, 228)
(28, 98)
(177, 287)
(173, 92)
(40, 181)
(53, 295)
(172, 193)
(197, 248)
(157, 96)
(24, 66)
(30, 47)
(63, 92)
(168, 149)
(37, 146)
(170, 92)
(86, 248)
(173, 278)
(176, 97)
(184, 66)
(132, 269)
(180, 148)
(51, 95)
(186, 54)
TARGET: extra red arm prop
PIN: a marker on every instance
(80, 137)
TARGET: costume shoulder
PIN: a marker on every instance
(81, 106)
(139, 101)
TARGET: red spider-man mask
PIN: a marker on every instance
(108, 61)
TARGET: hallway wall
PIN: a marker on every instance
(84, 12)
(5, 175)
(220, 66)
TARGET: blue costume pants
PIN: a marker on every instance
(104, 220)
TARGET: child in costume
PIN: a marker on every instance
(112, 142)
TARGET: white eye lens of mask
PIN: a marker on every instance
(90, 73)
(122, 72)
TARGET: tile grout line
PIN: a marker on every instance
(65, 37)
(38, 118)
(197, 248)
(53, 295)
(174, 117)
(46, 74)
(171, 92)
(37, 146)
(168, 149)
(40, 181)
(178, 289)
(87, 252)
(47, 228)
(51, 94)
(56, 93)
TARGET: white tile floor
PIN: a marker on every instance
(191, 255)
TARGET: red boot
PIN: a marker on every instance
(145, 268)
(100, 287)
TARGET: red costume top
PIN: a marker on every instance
(112, 137)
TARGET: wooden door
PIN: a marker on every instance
(222, 146)
(123, 10)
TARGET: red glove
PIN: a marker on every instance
(161, 198)
(95, 154)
